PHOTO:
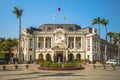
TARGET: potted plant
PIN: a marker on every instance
(4, 67)
(104, 66)
(94, 66)
(16, 66)
(113, 66)
(26, 66)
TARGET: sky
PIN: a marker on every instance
(39, 12)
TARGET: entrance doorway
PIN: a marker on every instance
(59, 57)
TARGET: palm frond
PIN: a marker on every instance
(104, 21)
(96, 21)
(18, 12)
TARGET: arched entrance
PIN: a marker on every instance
(78, 56)
(48, 57)
(59, 57)
(40, 57)
(70, 57)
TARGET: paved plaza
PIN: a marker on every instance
(33, 74)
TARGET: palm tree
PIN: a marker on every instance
(105, 22)
(117, 42)
(18, 12)
(98, 21)
(111, 35)
(116, 38)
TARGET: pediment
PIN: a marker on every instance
(59, 30)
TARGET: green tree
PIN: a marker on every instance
(7, 45)
(18, 12)
(105, 22)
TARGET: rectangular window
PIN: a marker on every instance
(79, 45)
(46, 45)
(30, 44)
(49, 45)
(72, 45)
(69, 45)
(39, 45)
(30, 57)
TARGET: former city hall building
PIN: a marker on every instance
(60, 42)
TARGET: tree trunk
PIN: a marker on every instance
(19, 44)
(105, 58)
(99, 43)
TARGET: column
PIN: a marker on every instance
(81, 42)
(53, 56)
(66, 55)
(74, 42)
(51, 41)
(37, 42)
(44, 41)
(67, 41)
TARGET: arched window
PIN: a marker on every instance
(70, 57)
(40, 56)
(78, 57)
(48, 57)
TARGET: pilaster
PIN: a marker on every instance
(44, 41)
(74, 42)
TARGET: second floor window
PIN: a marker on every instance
(30, 44)
(79, 45)
(39, 45)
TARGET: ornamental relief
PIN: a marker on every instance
(60, 37)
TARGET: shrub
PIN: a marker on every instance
(70, 64)
(38, 61)
(79, 61)
(56, 65)
(46, 64)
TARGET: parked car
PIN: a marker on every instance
(112, 61)
(3, 62)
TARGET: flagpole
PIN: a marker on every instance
(65, 18)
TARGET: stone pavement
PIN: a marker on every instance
(33, 74)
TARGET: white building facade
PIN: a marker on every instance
(60, 43)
